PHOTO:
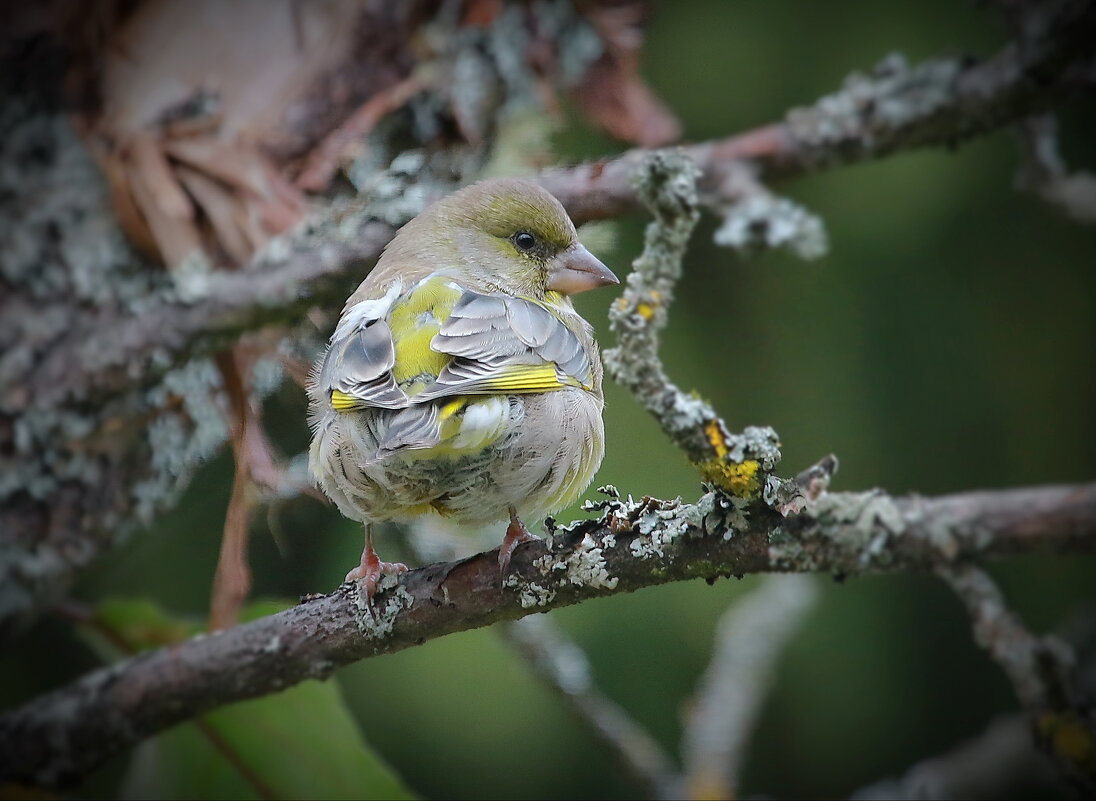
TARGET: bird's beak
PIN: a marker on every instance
(576, 270)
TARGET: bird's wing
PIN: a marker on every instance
(440, 342)
(357, 371)
(505, 345)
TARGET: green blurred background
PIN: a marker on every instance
(945, 343)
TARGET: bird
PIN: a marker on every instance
(459, 379)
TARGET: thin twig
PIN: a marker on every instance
(324, 159)
(1043, 171)
(750, 638)
(563, 665)
(989, 765)
(737, 463)
(1040, 670)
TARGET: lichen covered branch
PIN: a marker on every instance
(64, 734)
(737, 463)
(898, 107)
(1040, 669)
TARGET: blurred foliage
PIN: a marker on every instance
(946, 343)
(301, 743)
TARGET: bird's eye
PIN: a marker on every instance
(525, 240)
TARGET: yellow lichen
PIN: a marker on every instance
(646, 308)
(740, 479)
(717, 437)
(1070, 739)
(737, 478)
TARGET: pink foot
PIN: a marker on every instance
(516, 534)
(370, 572)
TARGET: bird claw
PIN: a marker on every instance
(369, 574)
(516, 534)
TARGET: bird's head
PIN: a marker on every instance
(511, 235)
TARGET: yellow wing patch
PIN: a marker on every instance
(414, 322)
(519, 378)
(344, 402)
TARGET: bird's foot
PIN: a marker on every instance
(516, 534)
(369, 574)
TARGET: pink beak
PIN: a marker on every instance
(577, 270)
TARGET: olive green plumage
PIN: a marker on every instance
(460, 380)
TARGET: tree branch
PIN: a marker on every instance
(1041, 671)
(750, 638)
(102, 354)
(736, 463)
(64, 734)
(986, 766)
(940, 102)
(565, 668)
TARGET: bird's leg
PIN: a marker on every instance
(371, 569)
(516, 534)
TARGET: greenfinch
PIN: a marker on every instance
(460, 380)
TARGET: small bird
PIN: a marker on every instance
(460, 380)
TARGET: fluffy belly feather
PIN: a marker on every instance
(546, 453)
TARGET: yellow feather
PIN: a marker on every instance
(451, 408)
(343, 402)
(414, 322)
(526, 378)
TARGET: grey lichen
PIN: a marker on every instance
(874, 113)
(530, 593)
(57, 240)
(759, 443)
(864, 523)
(583, 566)
(188, 428)
(762, 221)
(193, 277)
(397, 191)
(392, 598)
(659, 527)
(656, 529)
